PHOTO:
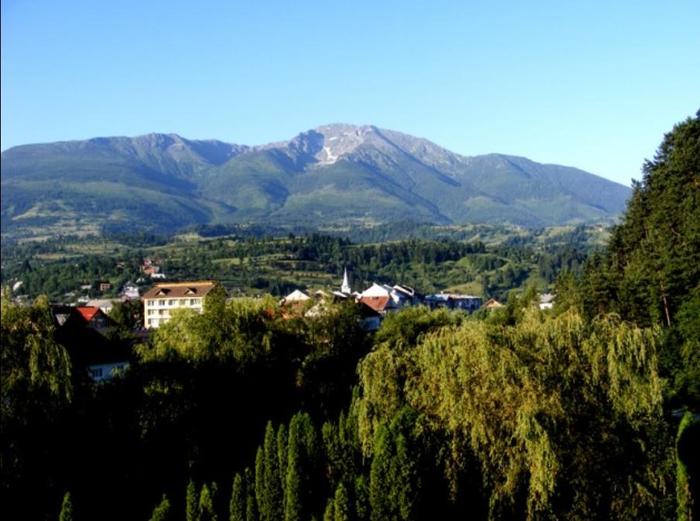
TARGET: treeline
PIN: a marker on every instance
(192, 404)
(519, 414)
(650, 272)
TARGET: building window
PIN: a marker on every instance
(171, 302)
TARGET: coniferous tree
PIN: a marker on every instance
(329, 512)
(394, 485)
(651, 266)
(251, 506)
(272, 486)
(191, 503)
(237, 506)
(66, 513)
(293, 501)
(260, 483)
(162, 510)
(302, 461)
(341, 502)
(334, 453)
(206, 504)
(362, 509)
(251, 511)
(282, 457)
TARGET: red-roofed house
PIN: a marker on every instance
(379, 304)
(90, 316)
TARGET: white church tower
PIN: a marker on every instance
(345, 287)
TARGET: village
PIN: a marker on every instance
(86, 329)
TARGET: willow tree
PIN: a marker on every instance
(35, 390)
(563, 415)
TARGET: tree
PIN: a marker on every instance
(206, 503)
(36, 390)
(342, 504)
(651, 267)
(251, 507)
(191, 503)
(687, 467)
(237, 506)
(302, 469)
(329, 512)
(394, 487)
(282, 457)
(66, 513)
(260, 483)
(561, 416)
(162, 511)
(271, 507)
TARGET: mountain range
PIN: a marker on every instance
(334, 174)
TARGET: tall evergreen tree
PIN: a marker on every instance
(343, 506)
(260, 483)
(394, 488)
(251, 510)
(191, 503)
(271, 508)
(362, 508)
(162, 510)
(302, 469)
(651, 267)
(329, 512)
(251, 506)
(66, 513)
(237, 506)
(282, 457)
(206, 508)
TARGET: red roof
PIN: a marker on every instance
(88, 312)
(376, 303)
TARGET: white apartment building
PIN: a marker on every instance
(162, 299)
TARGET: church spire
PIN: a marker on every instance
(345, 287)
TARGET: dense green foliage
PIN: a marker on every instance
(650, 273)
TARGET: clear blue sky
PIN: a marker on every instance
(591, 84)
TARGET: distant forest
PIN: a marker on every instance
(248, 412)
(490, 262)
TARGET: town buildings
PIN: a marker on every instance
(468, 303)
(380, 299)
(162, 299)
